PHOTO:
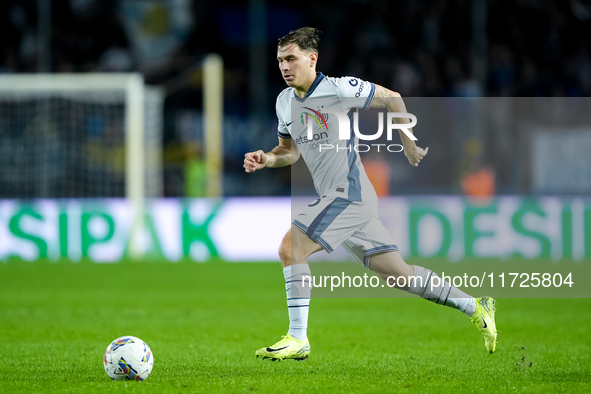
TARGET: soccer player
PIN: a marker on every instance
(346, 212)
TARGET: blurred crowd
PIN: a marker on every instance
(421, 48)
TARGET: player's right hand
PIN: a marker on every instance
(254, 161)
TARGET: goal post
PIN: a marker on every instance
(213, 72)
(134, 164)
(81, 135)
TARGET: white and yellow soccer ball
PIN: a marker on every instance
(128, 358)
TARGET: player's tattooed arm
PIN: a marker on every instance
(284, 154)
(386, 98)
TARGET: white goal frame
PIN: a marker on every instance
(132, 85)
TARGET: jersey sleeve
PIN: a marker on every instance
(282, 130)
(356, 92)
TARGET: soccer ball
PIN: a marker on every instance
(128, 358)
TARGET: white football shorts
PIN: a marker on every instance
(332, 221)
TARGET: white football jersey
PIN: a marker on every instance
(337, 171)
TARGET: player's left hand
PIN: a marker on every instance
(415, 154)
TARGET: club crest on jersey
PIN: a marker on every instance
(320, 118)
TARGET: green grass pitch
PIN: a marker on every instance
(204, 322)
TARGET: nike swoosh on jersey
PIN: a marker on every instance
(269, 349)
(287, 125)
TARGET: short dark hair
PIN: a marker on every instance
(305, 37)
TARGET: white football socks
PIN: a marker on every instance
(298, 299)
(426, 284)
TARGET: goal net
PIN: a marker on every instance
(80, 135)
